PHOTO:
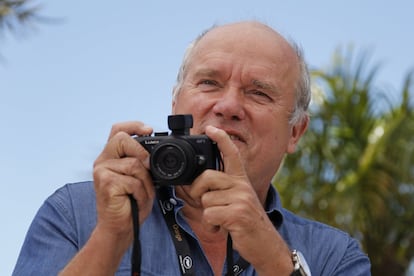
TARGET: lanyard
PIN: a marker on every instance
(181, 244)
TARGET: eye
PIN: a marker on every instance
(260, 95)
(207, 82)
(208, 85)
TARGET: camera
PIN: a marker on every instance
(178, 158)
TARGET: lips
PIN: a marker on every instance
(234, 137)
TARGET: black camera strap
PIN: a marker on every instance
(136, 247)
(181, 244)
(177, 234)
(180, 240)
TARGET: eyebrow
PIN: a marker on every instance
(205, 72)
(266, 85)
(212, 73)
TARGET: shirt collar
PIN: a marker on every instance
(273, 207)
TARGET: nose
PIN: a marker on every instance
(230, 105)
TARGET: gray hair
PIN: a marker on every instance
(303, 85)
(182, 70)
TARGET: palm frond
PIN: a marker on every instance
(355, 166)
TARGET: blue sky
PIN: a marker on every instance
(65, 84)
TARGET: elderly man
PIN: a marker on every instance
(248, 91)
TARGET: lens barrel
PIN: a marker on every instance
(173, 161)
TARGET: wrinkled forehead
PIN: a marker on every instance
(246, 39)
(253, 35)
(250, 44)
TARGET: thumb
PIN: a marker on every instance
(230, 153)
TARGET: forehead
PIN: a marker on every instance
(248, 45)
(251, 38)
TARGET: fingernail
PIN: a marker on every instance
(147, 127)
(211, 128)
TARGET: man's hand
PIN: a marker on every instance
(230, 201)
(121, 169)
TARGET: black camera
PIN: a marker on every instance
(178, 158)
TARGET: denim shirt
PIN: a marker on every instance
(65, 221)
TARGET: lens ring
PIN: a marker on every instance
(171, 160)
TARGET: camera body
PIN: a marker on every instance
(178, 158)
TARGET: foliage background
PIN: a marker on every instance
(355, 166)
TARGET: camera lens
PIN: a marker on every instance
(170, 160)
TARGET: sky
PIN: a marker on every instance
(65, 83)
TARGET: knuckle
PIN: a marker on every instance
(116, 128)
(119, 138)
(133, 166)
(97, 163)
(208, 215)
(102, 176)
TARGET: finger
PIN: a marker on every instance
(123, 145)
(239, 219)
(228, 190)
(218, 216)
(234, 217)
(131, 128)
(119, 188)
(214, 180)
(209, 180)
(231, 155)
(115, 179)
(216, 198)
(113, 204)
(111, 171)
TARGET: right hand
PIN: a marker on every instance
(122, 169)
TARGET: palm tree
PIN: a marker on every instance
(17, 13)
(355, 167)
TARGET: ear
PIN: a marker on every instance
(296, 132)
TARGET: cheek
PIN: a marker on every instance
(274, 137)
(191, 103)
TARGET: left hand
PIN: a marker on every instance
(230, 201)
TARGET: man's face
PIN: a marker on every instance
(241, 78)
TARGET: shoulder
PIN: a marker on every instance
(61, 226)
(77, 189)
(75, 203)
(297, 225)
(73, 194)
(314, 234)
(326, 248)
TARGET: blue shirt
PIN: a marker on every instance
(65, 221)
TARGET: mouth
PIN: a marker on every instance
(235, 137)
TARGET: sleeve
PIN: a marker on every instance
(354, 261)
(51, 240)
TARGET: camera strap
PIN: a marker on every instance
(181, 243)
(136, 247)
